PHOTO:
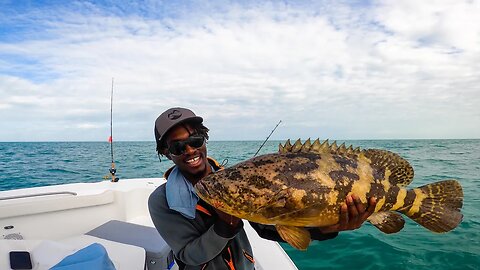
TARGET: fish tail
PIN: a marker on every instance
(435, 206)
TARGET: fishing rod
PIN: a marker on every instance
(267, 138)
(112, 169)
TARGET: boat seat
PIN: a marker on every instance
(123, 256)
(159, 256)
(47, 253)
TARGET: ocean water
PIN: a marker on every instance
(34, 164)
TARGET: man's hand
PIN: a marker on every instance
(352, 215)
(229, 219)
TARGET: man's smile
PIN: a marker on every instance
(194, 161)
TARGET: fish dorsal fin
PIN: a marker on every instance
(387, 222)
(401, 172)
(334, 147)
(297, 237)
(317, 147)
(306, 146)
(297, 146)
(281, 148)
(342, 149)
(285, 148)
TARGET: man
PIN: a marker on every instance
(200, 236)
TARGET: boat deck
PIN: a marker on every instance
(53, 221)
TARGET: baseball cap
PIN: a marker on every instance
(172, 117)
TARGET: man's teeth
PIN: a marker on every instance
(193, 160)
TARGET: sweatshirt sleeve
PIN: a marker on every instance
(188, 245)
(269, 232)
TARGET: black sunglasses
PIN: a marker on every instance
(178, 148)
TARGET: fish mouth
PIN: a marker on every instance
(204, 193)
(202, 189)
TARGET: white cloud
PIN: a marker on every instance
(447, 23)
(395, 69)
(87, 126)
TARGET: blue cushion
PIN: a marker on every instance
(92, 257)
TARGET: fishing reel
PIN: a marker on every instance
(113, 171)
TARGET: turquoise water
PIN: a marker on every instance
(38, 164)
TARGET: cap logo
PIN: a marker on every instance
(175, 114)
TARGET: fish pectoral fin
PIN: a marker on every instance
(297, 237)
(280, 203)
(387, 222)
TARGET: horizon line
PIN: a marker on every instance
(253, 140)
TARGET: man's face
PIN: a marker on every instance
(193, 162)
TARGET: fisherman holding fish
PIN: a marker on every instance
(200, 235)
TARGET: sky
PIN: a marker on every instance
(327, 69)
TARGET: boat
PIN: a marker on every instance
(52, 222)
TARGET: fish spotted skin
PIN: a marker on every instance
(305, 185)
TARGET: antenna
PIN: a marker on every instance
(267, 138)
(112, 170)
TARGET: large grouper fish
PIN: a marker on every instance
(305, 185)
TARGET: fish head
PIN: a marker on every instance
(243, 190)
